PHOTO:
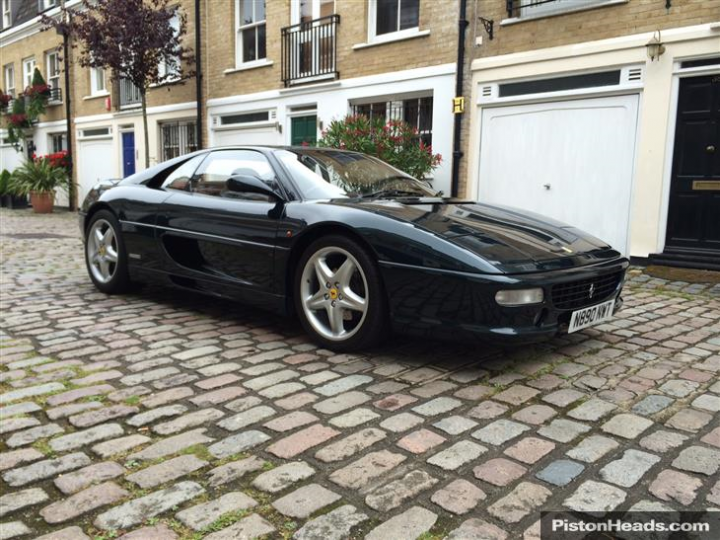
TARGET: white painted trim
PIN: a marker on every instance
(370, 80)
(671, 35)
(162, 109)
(249, 65)
(561, 11)
(50, 125)
(249, 125)
(96, 96)
(28, 28)
(403, 35)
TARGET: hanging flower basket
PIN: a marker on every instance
(19, 120)
(38, 90)
(5, 100)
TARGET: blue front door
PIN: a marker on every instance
(128, 152)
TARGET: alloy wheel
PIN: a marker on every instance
(102, 251)
(334, 293)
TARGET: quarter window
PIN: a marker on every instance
(212, 177)
(6, 14)
(395, 16)
(28, 70)
(9, 76)
(250, 24)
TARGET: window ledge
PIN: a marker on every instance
(395, 39)
(561, 11)
(96, 96)
(249, 65)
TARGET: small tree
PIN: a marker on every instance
(395, 142)
(132, 39)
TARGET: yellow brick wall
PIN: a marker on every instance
(437, 16)
(633, 17)
(36, 45)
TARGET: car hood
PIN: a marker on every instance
(510, 239)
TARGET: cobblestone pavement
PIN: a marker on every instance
(167, 415)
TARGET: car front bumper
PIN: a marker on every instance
(461, 306)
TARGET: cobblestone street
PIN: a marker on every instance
(163, 415)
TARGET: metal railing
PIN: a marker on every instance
(55, 96)
(520, 8)
(129, 94)
(309, 50)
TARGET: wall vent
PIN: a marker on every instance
(635, 74)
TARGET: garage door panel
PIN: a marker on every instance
(241, 137)
(571, 160)
(96, 161)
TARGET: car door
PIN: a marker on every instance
(215, 238)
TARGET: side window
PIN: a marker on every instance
(215, 171)
(180, 178)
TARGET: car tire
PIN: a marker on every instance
(349, 310)
(105, 254)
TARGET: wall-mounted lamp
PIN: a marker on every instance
(655, 47)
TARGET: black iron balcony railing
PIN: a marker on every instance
(55, 96)
(129, 94)
(309, 50)
(520, 8)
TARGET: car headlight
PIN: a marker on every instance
(519, 297)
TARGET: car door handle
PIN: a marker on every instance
(710, 149)
(547, 186)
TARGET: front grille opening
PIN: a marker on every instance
(586, 292)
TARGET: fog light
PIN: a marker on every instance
(519, 297)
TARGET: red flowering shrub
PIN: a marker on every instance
(395, 142)
(55, 160)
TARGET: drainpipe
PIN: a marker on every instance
(198, 75)
(459, 83)
(72, 203)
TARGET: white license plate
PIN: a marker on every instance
(591, 316)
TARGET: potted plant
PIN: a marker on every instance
(10, 199)
(39, 179)
(5, 100)
(4, 181)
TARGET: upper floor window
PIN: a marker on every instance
(97, 81)
(28, 71)
(46, 4)
(52, 67)
(539, 8)
(6, 14)
(170, 67)
(9, 79)
(391, 16)
(250, 35)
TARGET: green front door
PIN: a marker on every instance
(303, 131)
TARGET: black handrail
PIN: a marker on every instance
(309, 49)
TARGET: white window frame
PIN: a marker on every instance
(53, 80)
(373, 37)
(6, 14)
(98, 74)
(9, 74)
(44, 5)
(239, 28)
(28, 73)
(171, 68)
(559, 7)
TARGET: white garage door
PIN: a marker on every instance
(96, 161)
(240, 137)
(570, 160)
(9, 158)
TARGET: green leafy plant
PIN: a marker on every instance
(395, 142)
(38, 176)
(4, 182)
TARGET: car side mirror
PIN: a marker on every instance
(250, 184)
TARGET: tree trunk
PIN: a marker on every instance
(145, 127)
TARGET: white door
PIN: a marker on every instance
(570, 160)
(96, 161)
(241, 137)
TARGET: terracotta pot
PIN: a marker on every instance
(42, 202)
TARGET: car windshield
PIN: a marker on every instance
(332, 174)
